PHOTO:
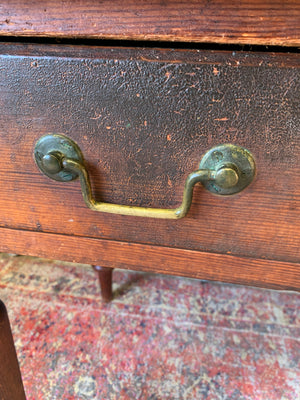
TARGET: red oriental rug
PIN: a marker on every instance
(161, 338)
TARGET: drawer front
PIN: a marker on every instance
(143, 120)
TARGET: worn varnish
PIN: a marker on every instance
(134, 256)
(218, 21)
(143, 119)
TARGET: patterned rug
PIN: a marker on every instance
(161, 338)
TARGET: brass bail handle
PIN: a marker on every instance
(225, 170)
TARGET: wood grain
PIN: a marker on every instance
(143, 119)
(255, 22)
(194, 264)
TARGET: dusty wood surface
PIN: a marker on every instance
(109, 253)
(256, 22)
(143, 119)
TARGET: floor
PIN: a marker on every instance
(161, 337)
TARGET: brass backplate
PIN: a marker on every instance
(229, 155)
(60, 145)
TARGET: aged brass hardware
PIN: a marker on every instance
(224, 170)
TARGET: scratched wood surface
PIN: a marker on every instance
(143, 119)
(257, 22)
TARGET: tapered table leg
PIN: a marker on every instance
(11, 386)
(105, 280)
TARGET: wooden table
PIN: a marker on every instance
(145, 90)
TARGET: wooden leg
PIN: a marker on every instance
(11, 386)
(105, 280)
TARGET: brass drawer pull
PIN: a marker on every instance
(224, 170)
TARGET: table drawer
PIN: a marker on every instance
(143, 118)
